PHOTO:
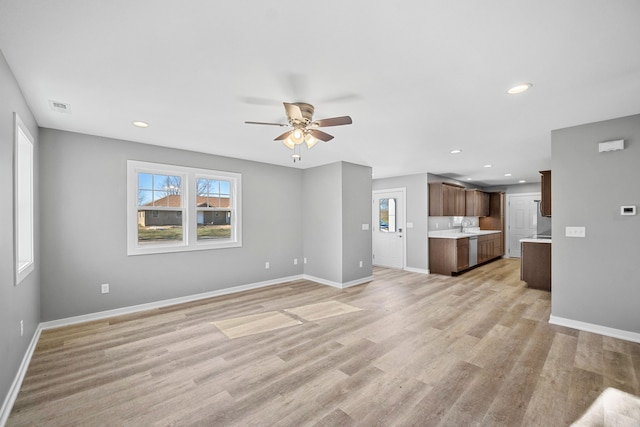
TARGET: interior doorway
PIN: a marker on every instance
(522, 220)
(388, 228)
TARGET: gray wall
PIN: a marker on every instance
(417, 212)
(322, 224)
(356, 210)
(596, 279)
(20, 302)
(84, 192)
(336, 201)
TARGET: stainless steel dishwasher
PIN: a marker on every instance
(473, 250)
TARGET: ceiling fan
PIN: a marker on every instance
(303, 127)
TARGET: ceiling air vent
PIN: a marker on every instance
(60, 107)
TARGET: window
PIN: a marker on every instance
(175, 208)
(388, 215)
(24, 214)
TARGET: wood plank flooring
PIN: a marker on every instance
(423, 351)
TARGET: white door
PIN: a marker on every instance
(388, 228)
(522, 220)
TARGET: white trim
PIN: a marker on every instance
(12, 395)
(416, 270)
(24, 222)
(337, 284)
(596, 329)
(164, 303)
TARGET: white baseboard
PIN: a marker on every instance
(597, 329)
(337, 284)
(416, 270)
(7, 405)
(164, 303)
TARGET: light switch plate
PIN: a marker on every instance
(409, 225)
(575, 231)
(365, 226)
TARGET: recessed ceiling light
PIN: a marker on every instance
(456, 151)
(141, 124)
(469, 179)
(519, 88)
(488, 166)
(522, 181)
(507, 174)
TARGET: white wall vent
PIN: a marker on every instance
(60, 107)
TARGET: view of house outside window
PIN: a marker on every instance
(159, 208)
(214, 216)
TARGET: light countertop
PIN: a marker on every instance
(456, 234)
(535, 239)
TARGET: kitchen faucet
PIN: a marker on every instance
(462, 225)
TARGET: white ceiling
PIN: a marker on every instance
(419, 78)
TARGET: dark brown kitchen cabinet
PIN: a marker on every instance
(545, 189)
(535, 265)
(489, 247)
(446, 199)
(477, 203)
(495, 220)
(448, 256)
(462, 254)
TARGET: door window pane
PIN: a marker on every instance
(387, 214)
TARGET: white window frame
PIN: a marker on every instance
(24, 238)
(189, 209)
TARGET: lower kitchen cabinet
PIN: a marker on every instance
(448, 256)
(535, 265)
(489, 247)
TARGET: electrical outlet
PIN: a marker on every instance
(295, 261)
(21, 327)
(360, 264)
(266, 265)
(104, 288)
(304, 260)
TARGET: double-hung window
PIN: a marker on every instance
(177, 208)
(24, 206)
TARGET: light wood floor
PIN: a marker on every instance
(424, 350)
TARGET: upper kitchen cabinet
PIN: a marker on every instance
(477, 203)
(446, 199)
(545, 204)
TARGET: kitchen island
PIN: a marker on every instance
(535, 262)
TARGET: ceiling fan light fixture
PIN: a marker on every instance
(297, 136)
(310, 141)
(289, 142)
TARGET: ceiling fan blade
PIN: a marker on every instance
(322, 136)
(334, 121)
(283, 136)
(265, 123)
(293, 111)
